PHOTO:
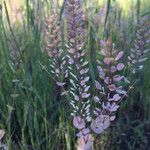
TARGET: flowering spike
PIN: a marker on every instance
(141, 45)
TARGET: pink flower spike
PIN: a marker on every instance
(120, 66)
(119, 56)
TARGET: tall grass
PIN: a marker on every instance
(31, 113)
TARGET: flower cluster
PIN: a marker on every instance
(77, 65)
(54, 50)
(141, 45)
(78, 72)
(110, 89)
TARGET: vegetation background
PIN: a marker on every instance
(31, 112)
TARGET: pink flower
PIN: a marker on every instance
(107, 80)
(100, 123)
(85, 143)
(110, 107)
(98, 85)
(117, 78)
(120, 66)
(71, 50)
(85, 95)
(113, 69)
(120, 54)
(116, 97)
(103, 43)
(96, 99)
(79, 122)
(83, 132)
(107, 60)
(112, 87)
(101, 72)
(86, 79)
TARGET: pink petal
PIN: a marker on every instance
(86, 79)
(107, 60)
(120, 66)
(72, 51)
(79, 122)
(116, 97)
(85, 95)
(120, 54)
(107, 80)
(72, 40)
(100, 69)
(113, 108)
(103, 43)
(117, 78)
(89, 142)
(100, 123)
(101, 72)
(86, 131)
(113, 69)
(80, 134)
(96, 99)
(112, 87)
(98, 85)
